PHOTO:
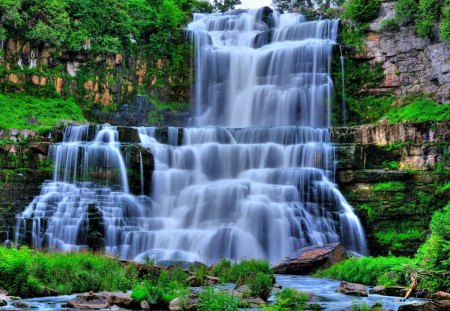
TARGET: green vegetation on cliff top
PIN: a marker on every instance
(27, 112)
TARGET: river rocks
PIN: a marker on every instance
(21, 305)
(88, 301)
(397, 291)
(427, 306)
(190, 305)
(352, 289)
(122, 300)
(309, 259)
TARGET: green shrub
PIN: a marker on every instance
(434, 255)
(429, 14)
(406, 11)
(288, 300)
(419, 110)
(368, 109)
(260, 284)
(371, 270)
(210, 300)
(361, 11)
(389, 25)
(445, 22)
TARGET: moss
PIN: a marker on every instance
(389, 186)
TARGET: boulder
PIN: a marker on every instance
(309, 259)
(144, 305)
(427, 306)
(88, 301)
(3, 302)
(352, 289)
(441, 296)
(119, 299)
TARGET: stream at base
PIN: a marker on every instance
(323, 289)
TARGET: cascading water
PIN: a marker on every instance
(259, 186)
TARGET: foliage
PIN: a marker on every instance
(288, 300)
(256, 273)
(390, 186)
(162, 287)
(211, 300)
(415, 112)
(385, 271)
(225, 5)
(25, 272)
(445, 22)
(397, 240)
(434, 255)
(289, 5)
(18, 109)
(361, 11)
(368, 109)
(389, 25)
(429, 13)
(406, 11)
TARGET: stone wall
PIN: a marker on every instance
(393, 176)
(411, 65)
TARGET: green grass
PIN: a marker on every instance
(18, 109)
(257, 274)
(390, 186)
(385, 271)
(419, 110)
(25, 272)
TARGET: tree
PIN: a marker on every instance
(225, 5)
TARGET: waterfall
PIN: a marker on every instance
(252, 177)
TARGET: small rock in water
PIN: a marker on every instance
(21, 304)
(145, 305)
(88, 301)
(352, 289)
(3, 302)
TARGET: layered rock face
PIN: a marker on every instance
(411, 64)
(393, 175)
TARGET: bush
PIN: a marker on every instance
(434, 255)
(390, 186)
(288, 300)
(385, 271)
(389, 25)
(210, 300)
(361, 11)
(429, 14)
(406, 11)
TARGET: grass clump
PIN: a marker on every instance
(389, 25)
(390, 186)
(18, 109)
(211, 300)
(288, 300)
(25, 272)
(162, 287)
(385, 271)
(419, 110)
(257, 274)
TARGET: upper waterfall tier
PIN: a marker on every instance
(259, 69)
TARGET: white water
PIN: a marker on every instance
(260, 187)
